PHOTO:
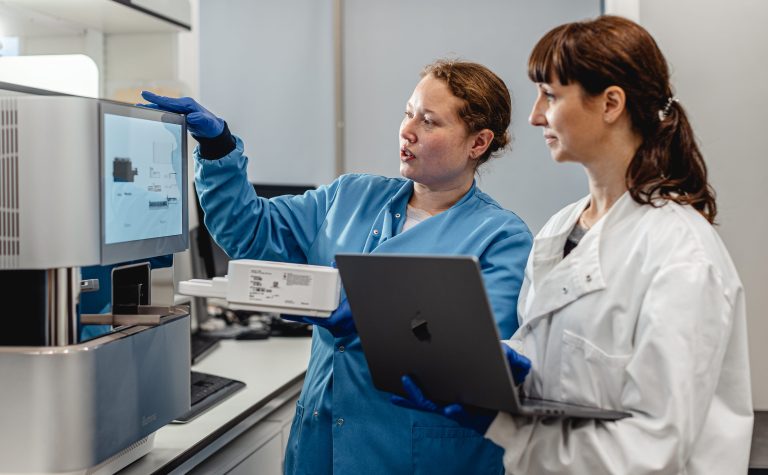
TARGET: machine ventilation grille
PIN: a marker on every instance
(9, 184)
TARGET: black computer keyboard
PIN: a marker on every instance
(201, 345)
(207, 390)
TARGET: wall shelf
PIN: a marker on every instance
(51, 17)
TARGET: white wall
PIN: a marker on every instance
(188, 60)
(717, 52)
(266, 67)
(388, 43)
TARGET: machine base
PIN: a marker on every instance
(82, 408)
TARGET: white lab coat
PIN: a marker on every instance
(645, 315)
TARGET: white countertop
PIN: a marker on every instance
(265, 366)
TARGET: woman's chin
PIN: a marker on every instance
(558, 157)
(407, 171)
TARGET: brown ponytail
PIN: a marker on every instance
(612, 50)
(672, 167)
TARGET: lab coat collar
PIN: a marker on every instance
(560, 281)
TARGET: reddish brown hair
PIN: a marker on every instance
(486, 100)
(614, 51)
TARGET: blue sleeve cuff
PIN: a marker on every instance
(216, 147)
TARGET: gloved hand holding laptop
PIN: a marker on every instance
(478, 420)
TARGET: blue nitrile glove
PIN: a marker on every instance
(200, 121)
(519, 364)
(340, 323)
(478, 420)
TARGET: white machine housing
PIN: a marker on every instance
(50, 219)
(50, 158)
(277, 287)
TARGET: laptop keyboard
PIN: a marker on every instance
(207, 390)
(201, 345)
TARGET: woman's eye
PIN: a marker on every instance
(550, 97)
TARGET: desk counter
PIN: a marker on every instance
(273, 371)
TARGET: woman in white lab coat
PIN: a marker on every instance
(630, 299)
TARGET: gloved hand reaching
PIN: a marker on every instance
(200, 121)
(477, 420)
(340, 323)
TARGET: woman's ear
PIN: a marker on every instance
(482, 141)
(614, 103)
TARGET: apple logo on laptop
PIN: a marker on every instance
(420, 328)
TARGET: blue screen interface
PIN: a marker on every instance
(142, 179)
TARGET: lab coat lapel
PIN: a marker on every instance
(559, 281)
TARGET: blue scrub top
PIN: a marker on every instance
(343, 425)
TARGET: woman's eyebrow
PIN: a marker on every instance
(423, 110)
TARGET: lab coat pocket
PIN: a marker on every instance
(590, 376)
(454, 450)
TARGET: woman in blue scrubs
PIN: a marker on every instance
(456, 118)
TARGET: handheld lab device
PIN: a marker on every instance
(278, 287)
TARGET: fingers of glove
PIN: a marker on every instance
(200, 122)
(521, 367)
(519, 364)
(183, 105)
(454, 411)
(515, 359)
(339, 323)
(332, 320)
(478, 422)
(415, 395)
(403, 402)
(341, 313)
(457, 413)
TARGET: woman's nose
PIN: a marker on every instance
(537, 117)
(406, 131)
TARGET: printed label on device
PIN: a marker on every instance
(279, 285)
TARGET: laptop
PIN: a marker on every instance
(429, 317)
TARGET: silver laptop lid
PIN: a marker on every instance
(428, 316)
